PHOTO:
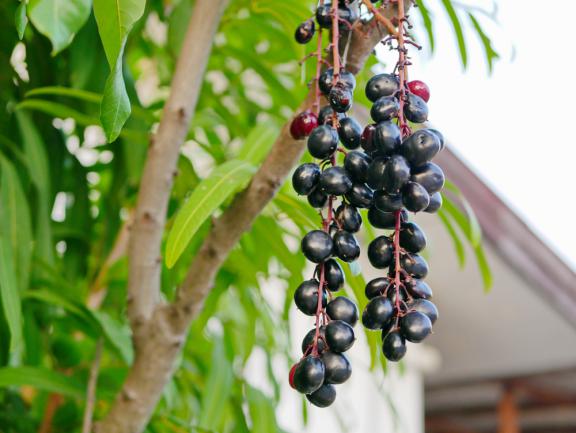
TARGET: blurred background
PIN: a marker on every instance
(503, 354)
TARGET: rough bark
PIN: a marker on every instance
(160, 330)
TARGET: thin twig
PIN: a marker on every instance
(91, 388)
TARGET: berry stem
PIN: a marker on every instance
(319, 59)
(397, 267)
(335, 44)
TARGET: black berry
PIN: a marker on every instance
(317, 246)
(381, 252)
(342, 308)
(306, 297)
(339, 336)
(305, 178)
(309, 375)
(350, 132)
(322, 142)
(381, 85)
(415, 326)
(377, 312)
(394, 346)
(323, 396)
(335, 181)
(346, 246)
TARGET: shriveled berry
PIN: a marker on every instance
(430, 176)
(377, 312)
(425, 307)
(317, 246)
(350, 133)
(412, 237)
(419, 88)
(342, 308)
(387, 138)
(396, 174)
(327, 80)
(381, 252)
(385, 108)
(323, 396)
(306, 297)
(419, 289)
(420, 147)
(356, 164)
(305, 178)
(308, 340)
(340, 98)
(317, 198)
(394, 346)
(333, 275)
(335, 181)
(346, 246)
(381, 85)
(322, 142)
(305, 32)
(435, 203)
(309, 374)
(387, 202)
(415, 265)
(360, 195)
(376, 287)
(349, 218)
(303, 125)
(415, 326)
(339, 336)
(337, 367)
(415, 109)
(415, 197)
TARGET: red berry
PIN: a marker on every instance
(291, 375)
(303, 124)
(419, 88)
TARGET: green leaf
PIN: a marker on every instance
(118, 335)
(217, 389)
(261, 411)
(258, 143)
(21, 19)
(83, 95)
(224, 181)
(115, 19)
(457, 30)
(10, 296)
(427, 20)
(485, 270)
(491, 54)
(59, 20)
(458, 245)
(42, 379)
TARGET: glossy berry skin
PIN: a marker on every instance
(394, 346)
(375, 287)
(317, 198)
(305, 178)
(342, 308)
(387, 202)
(396, 174)
(340, 98)
(326, 114)
(419, 289)
(385, 108)
(337, 368)
(323, 396)
(327, 80)
(387, 137)
(384, 220)
(333, 275)
(324, 16)
(439, 135)
(339, 336)
(381, 85)
(415, 109)
(419, 88)
(306, 297)
(317, 246)
(305, 32)
(335, 181)
(303, 125)
(322, 142)
(367, 139)
(309, 375)
(346, 246)
(415, 197)
(308, 340)
(415, 265)
(350, 132)
(435, 203)
(412, 237)
(430, 176)
(377, 313)
(360, 195)
(356, 164)
(375, 174)
(349, 218)
(420, 147)
(392, 294)
(381, 252)
(425, 307)
(415, 326)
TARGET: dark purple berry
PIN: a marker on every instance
(367, 139)
(340, 98)
(384, 220)
(419, 289)
(323, 396)
(327, 80)
(412, 237)
(349, 218)
(322, 142)
(326, 114)
(377, 312)
(396, 174)
(317, 246)
(381, 85)
(335, 181)
(375, 175)
(356, 164)
(425, 307)
(387, 138)
(381, 252)
(339, 336)
(308, 340)
(337, 368)
(376, 287)
(342, 308)
(415, 326)
(415, 197)
(385, 108)
(305, 32)
(415, 109)
(394, 346)
(439, 135)
(305, 178)
(317, 198)
(430, 176)
(350, 132)
(306, 297)
(420, 147)
(387, 202)
(415, 265)
(360, 195)
(346, 246)
(309, 374)
(435, 203)
(333, 275)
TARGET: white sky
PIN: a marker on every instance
(513, 127)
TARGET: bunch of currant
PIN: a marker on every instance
(337, 192)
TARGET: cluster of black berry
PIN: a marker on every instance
(324, 363)
(404, 179)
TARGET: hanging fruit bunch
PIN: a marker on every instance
(385, 168)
